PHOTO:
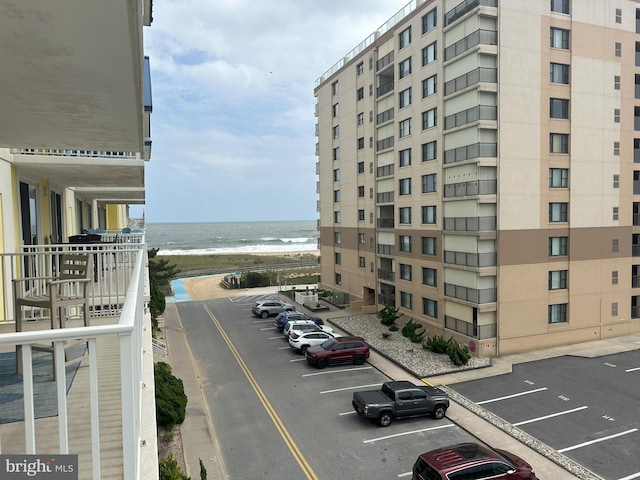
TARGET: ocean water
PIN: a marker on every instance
(232, 237)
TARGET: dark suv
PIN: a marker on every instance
(338, 350)
(471, 461)
(284, 317)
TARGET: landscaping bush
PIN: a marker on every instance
(388, 315)
(458, 354)
(171, 401)
(410, 330)
(169, 469)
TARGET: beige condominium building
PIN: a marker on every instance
(479, 169)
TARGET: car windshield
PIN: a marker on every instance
(328, 345)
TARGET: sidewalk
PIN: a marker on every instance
(199, 439)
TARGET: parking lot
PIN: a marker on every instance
(586, 408)
(277, 417)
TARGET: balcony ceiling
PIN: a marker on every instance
(71, 74)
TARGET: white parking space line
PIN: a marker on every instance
(550, 416)
(598, 440)
(279, 337)
(264, 329)
(286, 347)
(512, 396)
(264, 321)
(405, 474)
(372, 440)
(630, 477)
(352, 388)
(326, 372)
(352, 412)
(298, 360)
(632, 370)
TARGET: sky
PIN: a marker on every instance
(233, 125)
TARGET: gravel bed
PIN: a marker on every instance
(399, 349)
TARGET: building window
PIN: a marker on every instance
(404, 38)
(338, 279)
(360, 118)
(558, 280)
(360, 143)
(616, 181)
(404, 98)
(405, 215)
(558, 211)
(336, 153)
(429, 245)
(430, 277)
(429, 86)
(615, 245)
(405, 157)
(334, 88)
(558, 246)
(429, 183)
(361, 215)
(360, 93)
(559, 38)
(404, 67)
(429, 54)
(337, 237)
(616, 82)
(336, 196)
(336, 175)
(618, 49)
(405, 128)
(616, 115)
(614, 277)
(560, 73)
(429, 151)
(558, 177)
(618, 15)
(362, 263)
(429, 118)
(616, 149)
(559, 143)
(360, 69)
(406, 300)
(336, 217)
(558, 313)
(361, 191)
(429, 214)
(614, 309)
(429, 21)
(616, 213)
(360, 167)
(430, 307)
(405, 272)
(559, 108)
(336, 132)
(404, 187)
(405, 243)
(561, 6)
(338, 258)
(362, 238)
(335, 110)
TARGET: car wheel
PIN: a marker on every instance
(264, 314)
(384, 420)
(359, 360)
(321, 363)
(439, 412)
(303, 349)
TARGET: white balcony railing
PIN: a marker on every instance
(99, 417)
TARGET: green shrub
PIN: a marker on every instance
(388, 315)
(410, 330)
(458, 354)
(169, 469)
(171, 401)
(393, 328)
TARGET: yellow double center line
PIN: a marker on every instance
(293, 448)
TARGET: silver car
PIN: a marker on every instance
(269, 307)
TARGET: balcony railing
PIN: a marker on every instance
(475, 187)
(73, 153)
(388, 250)
(384, 171)
(467, 259)
(119, 334)
(480, 332)
(477, 75)
(473, 295)
(469, 152)
(470, 115)
(485, 37)
(384, 89)
(385, 223)
(470, 224)
(463, 8)
(386, 275)
(385, 197)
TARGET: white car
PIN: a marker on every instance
(304, 326)
(300, 341)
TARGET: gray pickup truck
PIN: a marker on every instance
(400, 400)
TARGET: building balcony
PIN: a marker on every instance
(479, 332)
(471, 152)
(387, 275)
(467, 189)
(471, 115)
(471, 295)
(101, 402)
(388, 250)
(385, 223)
(476, 76)
(470, 224)
(468, 259)
(465, 7)
(479, 37)
(385, 197)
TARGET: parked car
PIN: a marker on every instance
(471, 461)
(284, 317)
(304, 326)
(300, 341)
(338, 350)
(269, 307)
(400, 399)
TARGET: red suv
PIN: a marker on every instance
(338, 350)
(467, 461)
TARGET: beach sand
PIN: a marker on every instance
(208, 287)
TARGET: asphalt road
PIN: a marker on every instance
(586, 408)
(278, 418)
